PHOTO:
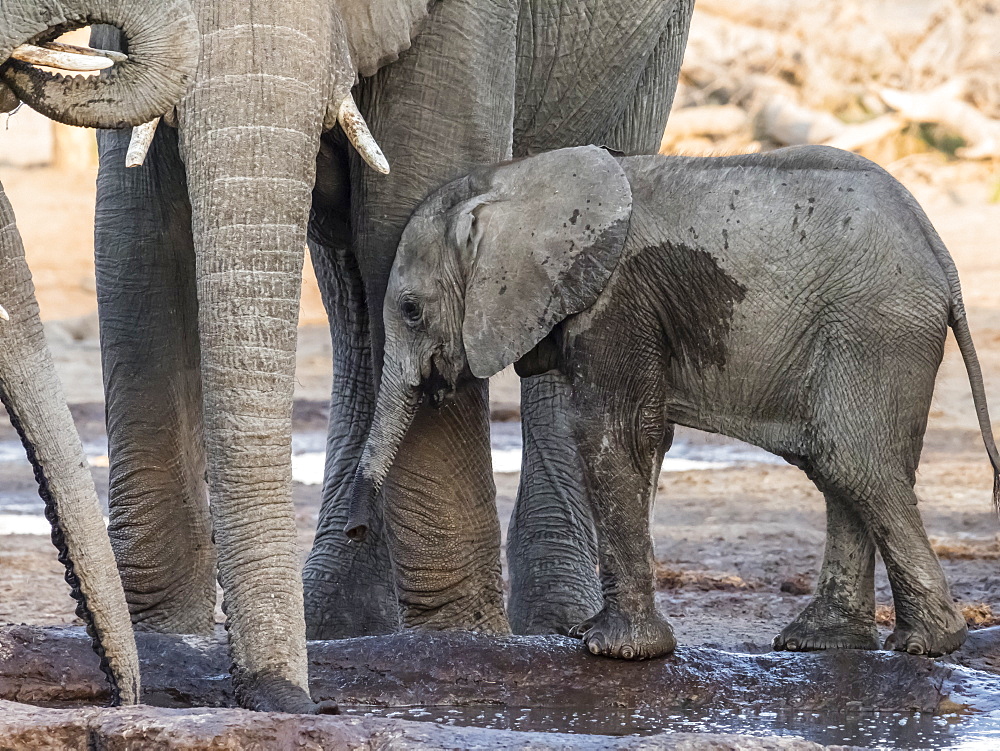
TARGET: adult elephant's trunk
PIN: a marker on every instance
(162, 43)
(249, 135)
(34, 399)
(396, 407)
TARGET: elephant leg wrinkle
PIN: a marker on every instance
(621, 475)
(349, 587)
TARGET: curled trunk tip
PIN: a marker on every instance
(363, 493)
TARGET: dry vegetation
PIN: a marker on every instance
(967, 550)
(669, 578)
(887, 79)
(977, 615)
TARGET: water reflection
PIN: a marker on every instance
(867, 730)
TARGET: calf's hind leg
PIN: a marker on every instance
(842, 613)
(622, 445)
(870, 459)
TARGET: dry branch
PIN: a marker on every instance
(55, 665)
(856, 137)
(785, 122)
(768, 14)
(716, 121)
(943, 106)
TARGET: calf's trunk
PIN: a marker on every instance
(394, 411)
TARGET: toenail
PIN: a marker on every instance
(594, 649)
(792, 644)
(627, 652)
(914, 649)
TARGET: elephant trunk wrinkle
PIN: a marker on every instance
(250, 188)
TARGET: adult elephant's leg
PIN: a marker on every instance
(160, 526)
(624, 84)
(349, 589)
(551, 543)
(445, 106)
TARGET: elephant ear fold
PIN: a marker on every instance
(379, 30)
(544, 238)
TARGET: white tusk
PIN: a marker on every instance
(118, 57)
(4, 314)
(142, 138)
(356, 130)
(73, 61)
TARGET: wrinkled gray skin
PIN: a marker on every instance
(132, 92)
(202, 248)
(798, 300)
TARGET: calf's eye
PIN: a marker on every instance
(410, 310)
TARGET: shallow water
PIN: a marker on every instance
(21, 508)
(867, 730)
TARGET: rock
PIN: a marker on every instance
(798, 584)
(159, 729)
(56, 666)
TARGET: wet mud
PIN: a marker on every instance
(551, 684)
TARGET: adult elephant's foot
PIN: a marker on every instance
(826, 625)
(348, 586)
(333, 614)
(613, 633)
(556, 612)
(931, 632)
(274, 694)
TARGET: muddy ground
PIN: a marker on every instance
(739, 547)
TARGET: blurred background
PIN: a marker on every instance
(912, 84)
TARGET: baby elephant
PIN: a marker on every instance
(797, 300)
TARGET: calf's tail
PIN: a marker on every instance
(960, 325)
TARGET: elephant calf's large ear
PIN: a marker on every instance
(545, 238)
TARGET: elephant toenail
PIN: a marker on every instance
(792, 645)
(627, 653)
(594, 648)
(915, 649)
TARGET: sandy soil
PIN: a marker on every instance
(729, 541)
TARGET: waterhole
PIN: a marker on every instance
(880, 730)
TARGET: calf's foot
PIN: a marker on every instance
(613, 633)
(931, 634)
(826, 625)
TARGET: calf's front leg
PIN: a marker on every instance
(622, 439)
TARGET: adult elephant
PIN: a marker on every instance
(146, 84)
(585, 72)
(204, 245)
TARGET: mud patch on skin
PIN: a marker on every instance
(692, 298)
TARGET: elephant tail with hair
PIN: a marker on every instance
(959, 323)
